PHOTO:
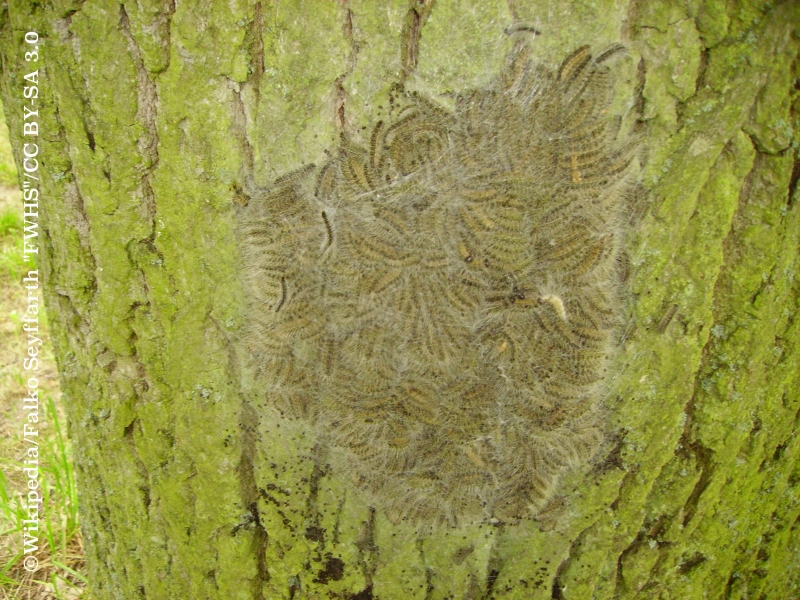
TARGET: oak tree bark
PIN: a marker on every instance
(153, 115)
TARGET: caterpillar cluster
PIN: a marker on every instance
(441, 303)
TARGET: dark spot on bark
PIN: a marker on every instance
(316, 534)
(90, 138)
(613, 459)
(793, 182)
(294, 585)
(365, 594)
(333, 570)
(779, 450)
(490, 581)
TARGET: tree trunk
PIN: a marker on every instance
(156, 117)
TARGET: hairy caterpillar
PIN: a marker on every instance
(453, 341)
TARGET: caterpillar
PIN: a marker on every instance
(328, 230)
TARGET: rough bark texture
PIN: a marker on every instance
(154, 112)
